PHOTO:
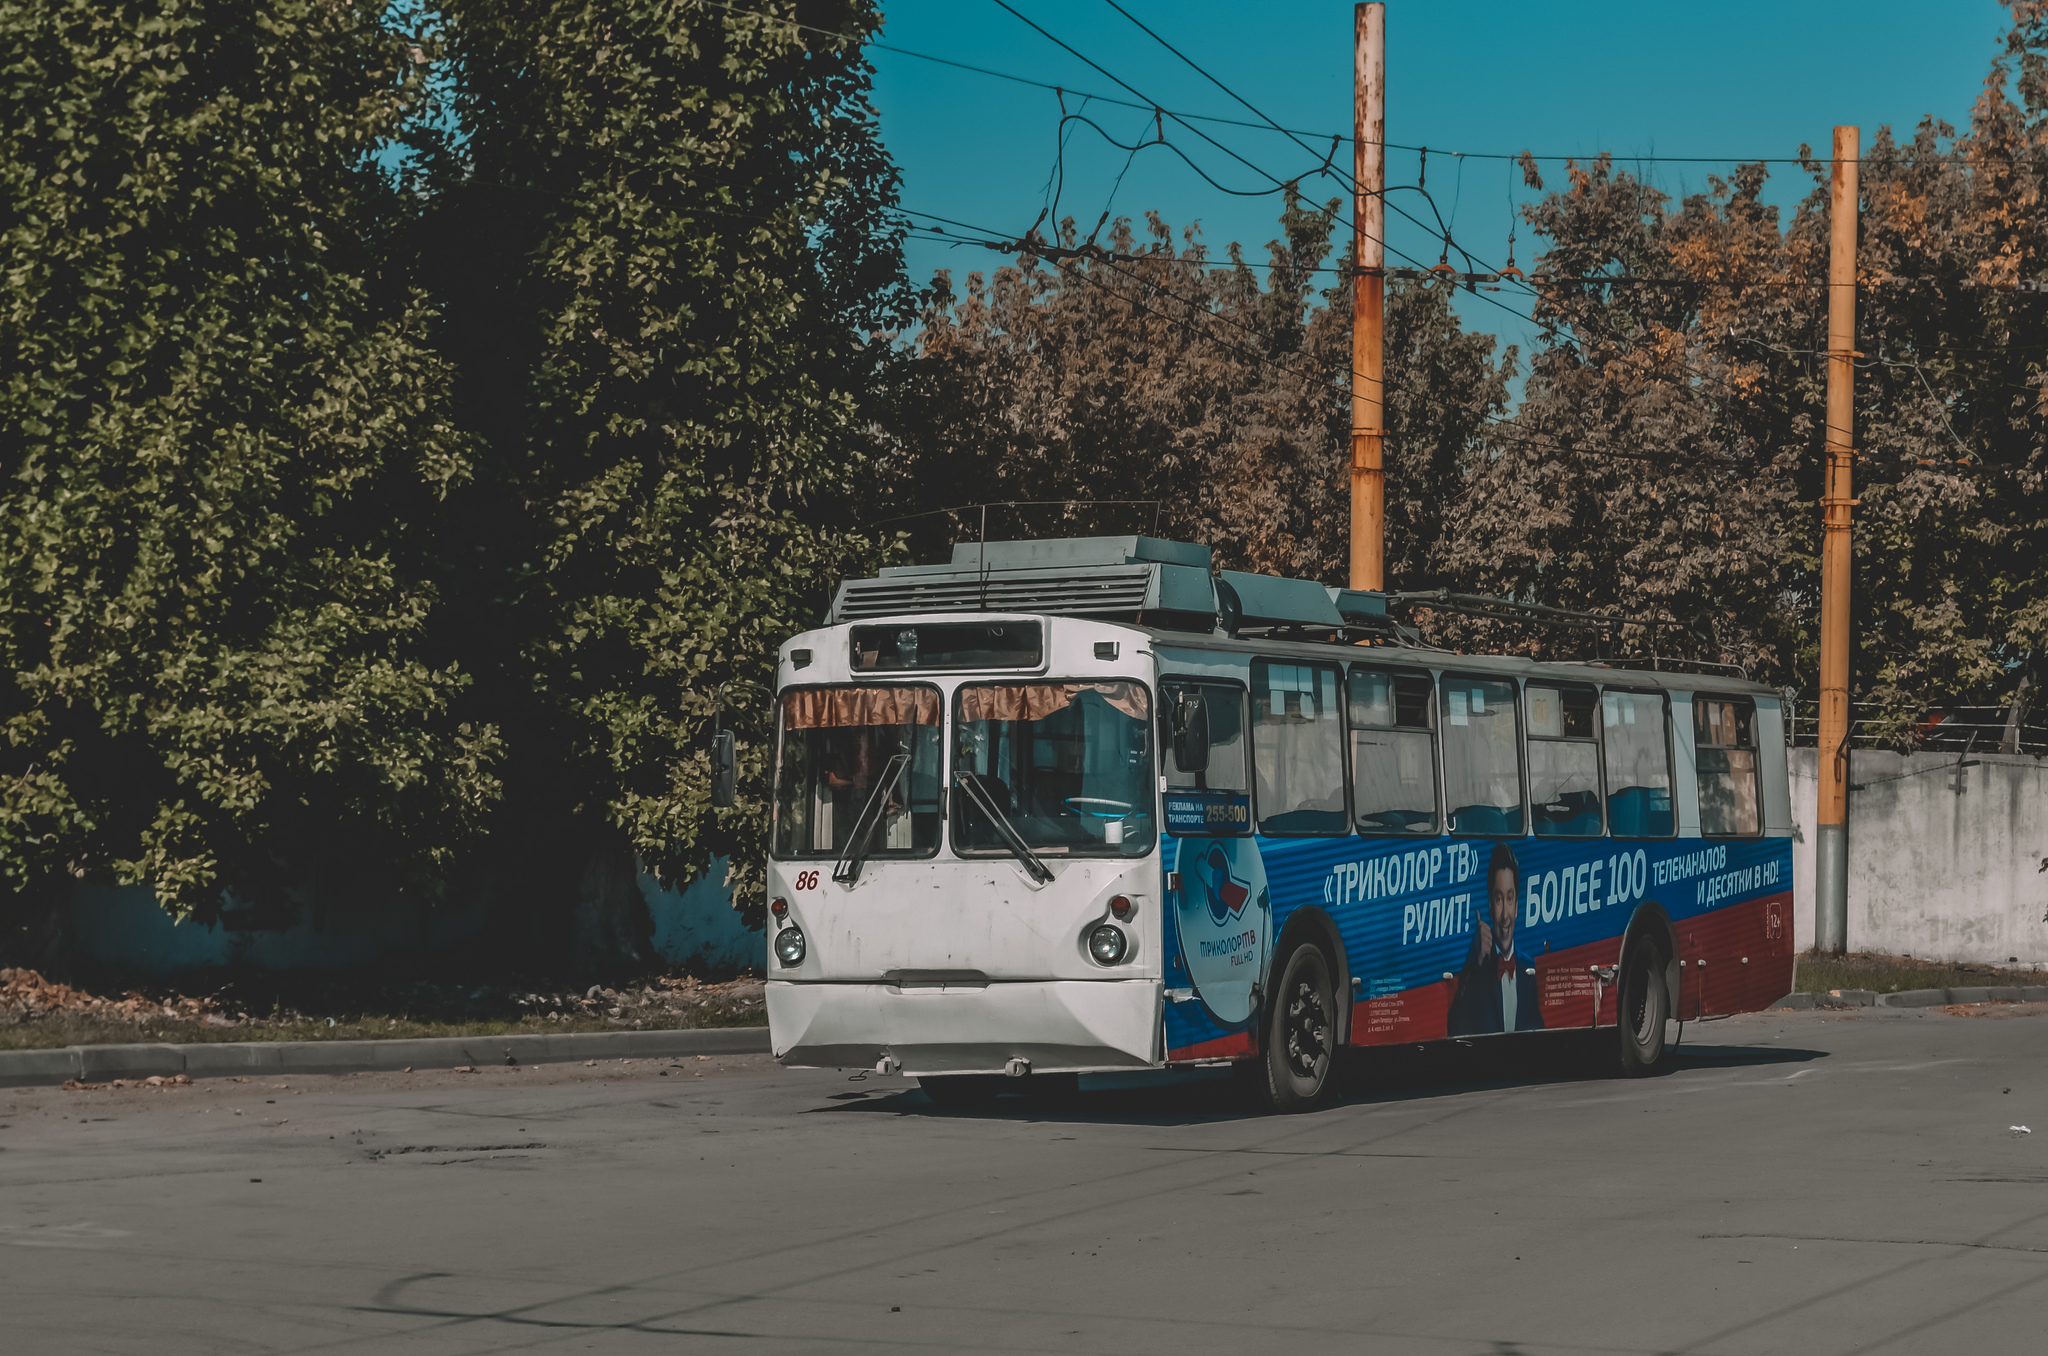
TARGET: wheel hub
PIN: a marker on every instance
(1638, 1006)
(1308, 1031)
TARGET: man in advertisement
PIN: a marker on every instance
(1497, 988)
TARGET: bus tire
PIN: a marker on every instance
(1297, 1069)
(1641, 1008)
(962, 1091)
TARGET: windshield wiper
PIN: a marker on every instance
(986, 803)
(847, 869)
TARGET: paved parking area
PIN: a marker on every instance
(1809, 1182)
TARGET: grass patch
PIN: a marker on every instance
(1896, 974)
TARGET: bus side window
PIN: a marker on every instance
(1564, 761)
(1298, 748)
(1634, 731)
(1482, 756)
(1724, 737)
(1393, 752)
(1224, 785)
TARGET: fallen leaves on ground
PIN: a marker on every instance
(24, 993)
(153, 1081)
(628, 1005)
(1994, 1009)
(300, 1006)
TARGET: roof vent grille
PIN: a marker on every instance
(1101, 591)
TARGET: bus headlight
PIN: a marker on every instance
(789, 945)
(1107, 944)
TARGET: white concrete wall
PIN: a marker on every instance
(1945, 863)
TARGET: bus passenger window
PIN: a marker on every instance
(1216, 800)
(1393, 752)
(1564, 762)
(1633, 732)
(1724, 735)
(1298, 748)
(1482, 756)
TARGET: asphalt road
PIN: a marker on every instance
(1801, 1182)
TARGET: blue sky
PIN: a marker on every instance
(1736, 79)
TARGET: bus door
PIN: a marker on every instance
(1221, 910)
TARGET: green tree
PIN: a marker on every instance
(225, 440)
(657, 231)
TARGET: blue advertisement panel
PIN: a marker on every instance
(1469, 936)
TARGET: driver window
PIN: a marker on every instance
(1216, 800)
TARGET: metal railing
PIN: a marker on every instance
(1932, 729)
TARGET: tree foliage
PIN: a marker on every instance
(659, 236)
(1665, 460)
(226, 438)
(1154, 374)
(418, 423)
(1671, 447)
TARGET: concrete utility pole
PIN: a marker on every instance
(1831, 852)
(1369, 297)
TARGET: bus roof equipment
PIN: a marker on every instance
(1168, 584)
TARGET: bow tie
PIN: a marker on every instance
(1507, 966)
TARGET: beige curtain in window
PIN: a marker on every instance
(1036, 701)
(831, 708)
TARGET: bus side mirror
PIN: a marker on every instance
(1191, 733)
(724, 769)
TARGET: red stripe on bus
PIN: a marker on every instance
(1223, 1047)
(1411, 1015)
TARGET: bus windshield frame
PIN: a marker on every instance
(834, 748)
(1069, 763)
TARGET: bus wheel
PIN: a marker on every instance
(1295, 1073)
(1643, 1007)
(962, 1091)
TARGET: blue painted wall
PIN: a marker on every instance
(699, 923)
(121, 927)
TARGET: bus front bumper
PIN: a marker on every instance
(1058, 1026)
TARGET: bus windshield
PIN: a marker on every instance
(1069, 765)
(840, 748)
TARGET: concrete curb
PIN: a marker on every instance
(1915, 998)
(214, 1059)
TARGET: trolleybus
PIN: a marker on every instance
(1089, 806)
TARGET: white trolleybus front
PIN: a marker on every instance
(1086, 807)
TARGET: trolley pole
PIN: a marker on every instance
(1831, 851)
(1369, 297)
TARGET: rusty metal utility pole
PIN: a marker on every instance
(1831, 851)
(1369, 297)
